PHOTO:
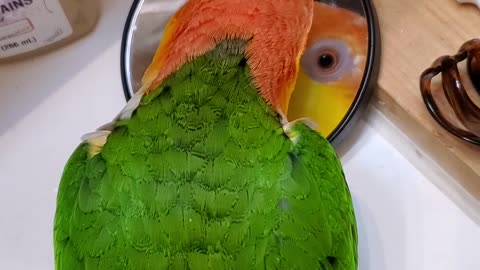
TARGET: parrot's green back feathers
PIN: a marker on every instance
(202, 176)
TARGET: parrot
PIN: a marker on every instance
(202, 168)
(332, 67)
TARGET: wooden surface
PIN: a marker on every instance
(414, 33)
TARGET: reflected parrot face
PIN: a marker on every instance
(332, 67)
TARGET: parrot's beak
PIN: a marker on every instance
(325, 104)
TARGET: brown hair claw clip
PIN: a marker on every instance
(464, 106)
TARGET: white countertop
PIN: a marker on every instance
(46, 104)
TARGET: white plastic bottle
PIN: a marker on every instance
(32, 27)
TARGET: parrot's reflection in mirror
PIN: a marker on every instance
(332, 67)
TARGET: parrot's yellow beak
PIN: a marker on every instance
(325, 104)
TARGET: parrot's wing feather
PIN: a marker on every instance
(74, 173)
(87, 225)
(116, 205)
(318, 188)
(99, 137)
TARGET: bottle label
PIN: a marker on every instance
(26, 25)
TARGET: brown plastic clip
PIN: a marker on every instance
(465, 109)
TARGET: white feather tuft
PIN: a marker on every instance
(97, 135)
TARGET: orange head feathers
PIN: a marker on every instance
(276, 30)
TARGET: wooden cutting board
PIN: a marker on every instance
(414, 33)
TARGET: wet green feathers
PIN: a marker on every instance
(203, 177)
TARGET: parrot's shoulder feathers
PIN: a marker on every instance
(97, 139)
(290, 130)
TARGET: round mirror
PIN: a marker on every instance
(338, 68)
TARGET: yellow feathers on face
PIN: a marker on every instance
(332, 67)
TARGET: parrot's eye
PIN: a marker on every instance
(327, 60)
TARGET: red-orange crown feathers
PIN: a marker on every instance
(277, 32)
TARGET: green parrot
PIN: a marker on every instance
(202, 169)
